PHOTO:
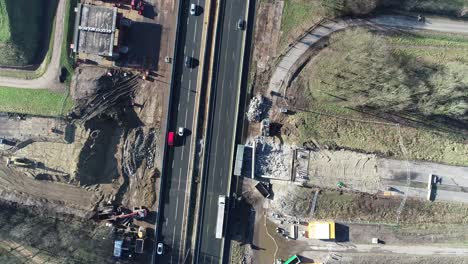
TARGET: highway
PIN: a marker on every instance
(181, 115)
(221, 127)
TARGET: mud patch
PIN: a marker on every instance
(97, 163)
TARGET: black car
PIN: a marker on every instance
(241, 24)
(188, 62)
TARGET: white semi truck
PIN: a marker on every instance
(220, 219)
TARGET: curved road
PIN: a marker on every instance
(289, 63)
(49, 80)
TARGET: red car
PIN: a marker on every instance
(170, 139)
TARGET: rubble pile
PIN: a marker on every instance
(137, 148)
(258, 107)
(273, 160)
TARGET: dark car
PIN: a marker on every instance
(241, 24)
(188, 62)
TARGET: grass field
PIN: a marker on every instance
(298, 15)
(376, 78)
(24, 29)
(65, 55)
(30, 101)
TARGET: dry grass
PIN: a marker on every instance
(350, 82)
(367, 208)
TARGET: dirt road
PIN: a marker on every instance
(413, 250)
(49, 80)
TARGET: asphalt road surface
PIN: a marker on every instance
(221, 128)
(181, 116)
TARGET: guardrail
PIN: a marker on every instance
(164, 147)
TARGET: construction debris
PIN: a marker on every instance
(273, 160)
(138, 148)
(258, 108)
(114, 88)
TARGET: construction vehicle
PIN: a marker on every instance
(21, 162)
(140, 240)
(264, 190)
(113, 213)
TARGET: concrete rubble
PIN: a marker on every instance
(258, 107)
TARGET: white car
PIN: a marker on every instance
(193, 9)
(180, 131)
(160, 249)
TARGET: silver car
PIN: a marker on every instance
(160, 248)
(193, 9)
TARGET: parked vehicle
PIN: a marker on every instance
(263, 190)
(7, 142)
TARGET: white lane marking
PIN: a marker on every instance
(182, 78)
(173, 164)
(189, 88)
(178, 108)
(182, 156)
(185, 49)
(186, 115)
(222, 173)
(173, 239)
(195, 33)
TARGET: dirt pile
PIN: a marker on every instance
(138, 165)
(291, 200)
(84, 82)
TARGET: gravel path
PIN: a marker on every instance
(49, 79)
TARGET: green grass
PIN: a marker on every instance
(5, 33)
(30, 101)
(365, 77)
(299, 15)
(23, 26)
(65, 56)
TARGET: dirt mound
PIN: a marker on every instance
(292, 200)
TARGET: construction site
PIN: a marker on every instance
(308, 200)
(96, 170)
